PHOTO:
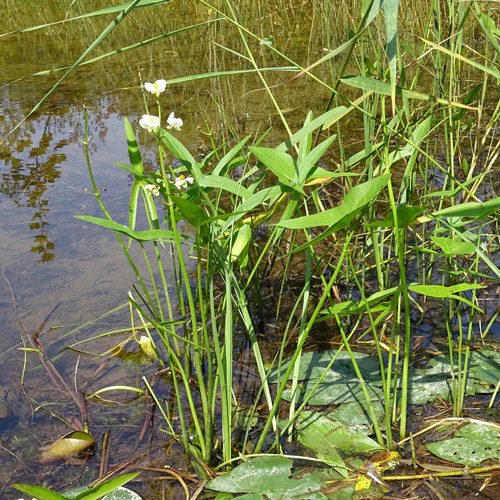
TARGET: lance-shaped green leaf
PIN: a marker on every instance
(307, 166)
(38, 492)
(441, 291)
(193, 213)
(391, 30)
(239, 250)
(280, 164)
(134, 155)
(384, 88)
(223, 164)
(229, 185)
(324, 121)
(354, 201)
(454, 246)
(406, 215)
(350, 307)
(182, 154)
(148, 235)
(472, 209)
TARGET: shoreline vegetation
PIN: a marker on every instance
(336, 254)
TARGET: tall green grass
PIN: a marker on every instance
(413, 216)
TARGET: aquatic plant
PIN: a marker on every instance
(405, 219)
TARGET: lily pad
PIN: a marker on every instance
(329, 438)
(313, 364)
(472, 445)
(340, 383)
(355, 414)
(269, 475)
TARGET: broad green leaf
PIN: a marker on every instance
(356, 414)
(317, 438)
(340, 383)
(406, 215)
(280, 164)
(454, 246)
(355, 200)
(226, 184)
(473, 444)
(254, 477)
(38, 492)
(485, 368)
(148, 235)
(239, 250)
(192, 212)
(327, 437)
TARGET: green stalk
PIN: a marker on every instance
(385, 380)
(371, 411)
(300, 343)
(406, 302)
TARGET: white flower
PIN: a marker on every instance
(149, 122)
(174, 122)
(156, 87)
(152, 189)
(182, 182)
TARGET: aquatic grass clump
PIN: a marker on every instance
(406, 219)
(225, 198)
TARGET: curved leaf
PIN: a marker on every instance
(353, 202)
(148, 235)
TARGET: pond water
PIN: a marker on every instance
(49, 259)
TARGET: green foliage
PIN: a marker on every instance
(471, 445)
(405, 216)
(103, 491)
